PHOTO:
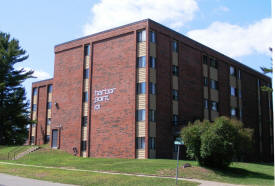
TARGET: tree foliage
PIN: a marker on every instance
(217, 144)
(13, 104)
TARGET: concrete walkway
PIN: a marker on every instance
(8, 180)
(202, 182)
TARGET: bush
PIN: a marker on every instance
(216, 144)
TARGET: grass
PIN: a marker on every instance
(86, 178)
(238, 173)
(5, 150)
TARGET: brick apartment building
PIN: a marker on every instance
(127, 92)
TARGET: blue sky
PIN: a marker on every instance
(239, 28)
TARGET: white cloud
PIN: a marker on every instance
(112, 13)
(235, 40)
(40, 75)
(224, 9)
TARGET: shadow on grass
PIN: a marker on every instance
(241, 173)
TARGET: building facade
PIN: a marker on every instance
(128, 91)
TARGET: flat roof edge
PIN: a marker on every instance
(42, 81)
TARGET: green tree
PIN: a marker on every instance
(14, 114)
(267, 71)
(216, 144)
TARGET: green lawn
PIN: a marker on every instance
(238, 173)
(5, 150)
(86, 178)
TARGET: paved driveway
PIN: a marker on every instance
(8, 180)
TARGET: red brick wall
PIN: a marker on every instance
(224, 87)
(67, 93)
(113, 125)
(42, 114)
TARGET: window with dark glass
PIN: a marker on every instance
(152, 36)
(141, 88)
(204, 59)
(232, 91)
(87, 50)
(34, 107)
(35, 91)
(239, 74)
(233, 112)
(85, 96)
(152, 115)
(175, 119)
(152, 88)
(84, 121)
(141, 115)
(32, 139)
(240, 93)
(241, 113)
(175, 94)
(232, 71)
(49, 105)
(213, 63)
(152, 62)
(175, 46)
(205, 81)
(214, 106)
(214, 84)
(141, 36)
(141, 62)
(175, 70)
(83, 145)
(50, 88)
(86, 73)
(205, 104)
(49, 121)
(152, 143)
(140, 142)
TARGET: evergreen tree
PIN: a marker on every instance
(14, 114)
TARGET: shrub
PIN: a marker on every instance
(216, 144)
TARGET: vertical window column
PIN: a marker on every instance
(260, 115)
(234, 93)
(205, 72)
(85, 98)
(34, 115)
(175, 82)
(141, 85)
(152, 93)
(213, 88)
(49, 113)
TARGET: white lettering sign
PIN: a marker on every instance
(102, 96)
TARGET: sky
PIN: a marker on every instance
(241, 29)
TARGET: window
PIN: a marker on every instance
(205, 104)
(175, 120)
(84, 120)
(47, 138)
(85, 96)
(141, 88)
(175, 70)
(86, 74)
(232, 91)
(241, 114)
(233, 112)
(152, 36)
(239, 74)
(152, 115)
(175, 94)
(49, 105)
(214, 84)
(213, 63)
(50, 88)
(32, 140)
(34, 107)
(214, 106)
(204, 59)
(152, 143)
(152, 88)
(141, 62)
(35, 91)
(83, 145)
(140, 142)
(141, 115)
(141, 36)
(205, 81)
(152, 62)
(87, 50)
(232, 71)
(175, 46)
(49, 121)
